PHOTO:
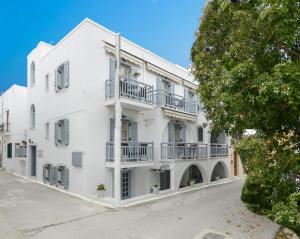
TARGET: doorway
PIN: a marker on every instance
(165, 180)
(125, 184)
(33, 160)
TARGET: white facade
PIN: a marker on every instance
(71, 107)
(13, 124)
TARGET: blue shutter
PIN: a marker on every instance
(112, 68)
(171, 132)
(66, 178)
(56, 132)
(56, 81)
(133, 131)
(112, 130)
(65, 133)
(182, 133)
(66, 75)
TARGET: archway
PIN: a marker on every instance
(219, 172)
(191, 173)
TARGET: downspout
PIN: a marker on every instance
(117, 130)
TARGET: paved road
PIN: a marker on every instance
(29, 210)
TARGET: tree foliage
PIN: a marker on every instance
(246, 58)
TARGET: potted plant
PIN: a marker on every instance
(101, 190)
(218, 178)
(155, 189)
(192, 181)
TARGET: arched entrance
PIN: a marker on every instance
(192, 173)
(219, 172)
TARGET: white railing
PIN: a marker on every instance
(218, 150)
(130, 89)
(131, 151)
(181, 151)
(175, 102)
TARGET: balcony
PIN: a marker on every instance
(176, 102)
(218, 150)
(133, 94)
(4, 128)
(183, 151)
(131, 152)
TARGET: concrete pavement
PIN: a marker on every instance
(29, 210)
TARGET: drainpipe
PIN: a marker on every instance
(117, 131)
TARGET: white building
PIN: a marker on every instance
(146, 128)
(13, 123)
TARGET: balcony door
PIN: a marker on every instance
(176, 132)
(129, 130)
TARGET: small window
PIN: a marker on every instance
(32, 116)
(32, 74)
(62, 132)
(200, 134)
(62, 77)
(20, 150)
(47, 126)
(47, 82)
(9, 150)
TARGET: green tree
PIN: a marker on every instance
(246, 58)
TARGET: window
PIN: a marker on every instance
(62, 132)
(9, 150)
(200, 134)
(62, 77)
(32, 74)
(32, 116)
(47, 130)
(47, 82)
(21, 150)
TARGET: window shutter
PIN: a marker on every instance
(52, 174)
(44, 173)
(66, 75)
(133, 131)
(171, 132)
(65, 133)
(9, 150)
(112, 68)
(186, 93)
(56, 81)
(56, 132)
(112, 129)
(182, 133)
(158, 83)
(172, 88)
(66, 178)
(200, 134)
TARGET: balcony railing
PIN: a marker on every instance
(130, 89)
(181, 151)
(4, 127)
(218, 150)
(131, 151)
(175, 102)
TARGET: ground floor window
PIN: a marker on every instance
(20, 150)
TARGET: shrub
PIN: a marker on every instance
(288, 214)
(101, 187)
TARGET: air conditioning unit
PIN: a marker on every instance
(62, 176)
(135, 73)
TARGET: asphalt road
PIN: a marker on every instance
(29, 210)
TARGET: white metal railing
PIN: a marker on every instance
(218, 150)
(175, 102)
(180, 151)
(130, 89)
(131, 151)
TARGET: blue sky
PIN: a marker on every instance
(164, 27)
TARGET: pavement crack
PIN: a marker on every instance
(35, 231)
